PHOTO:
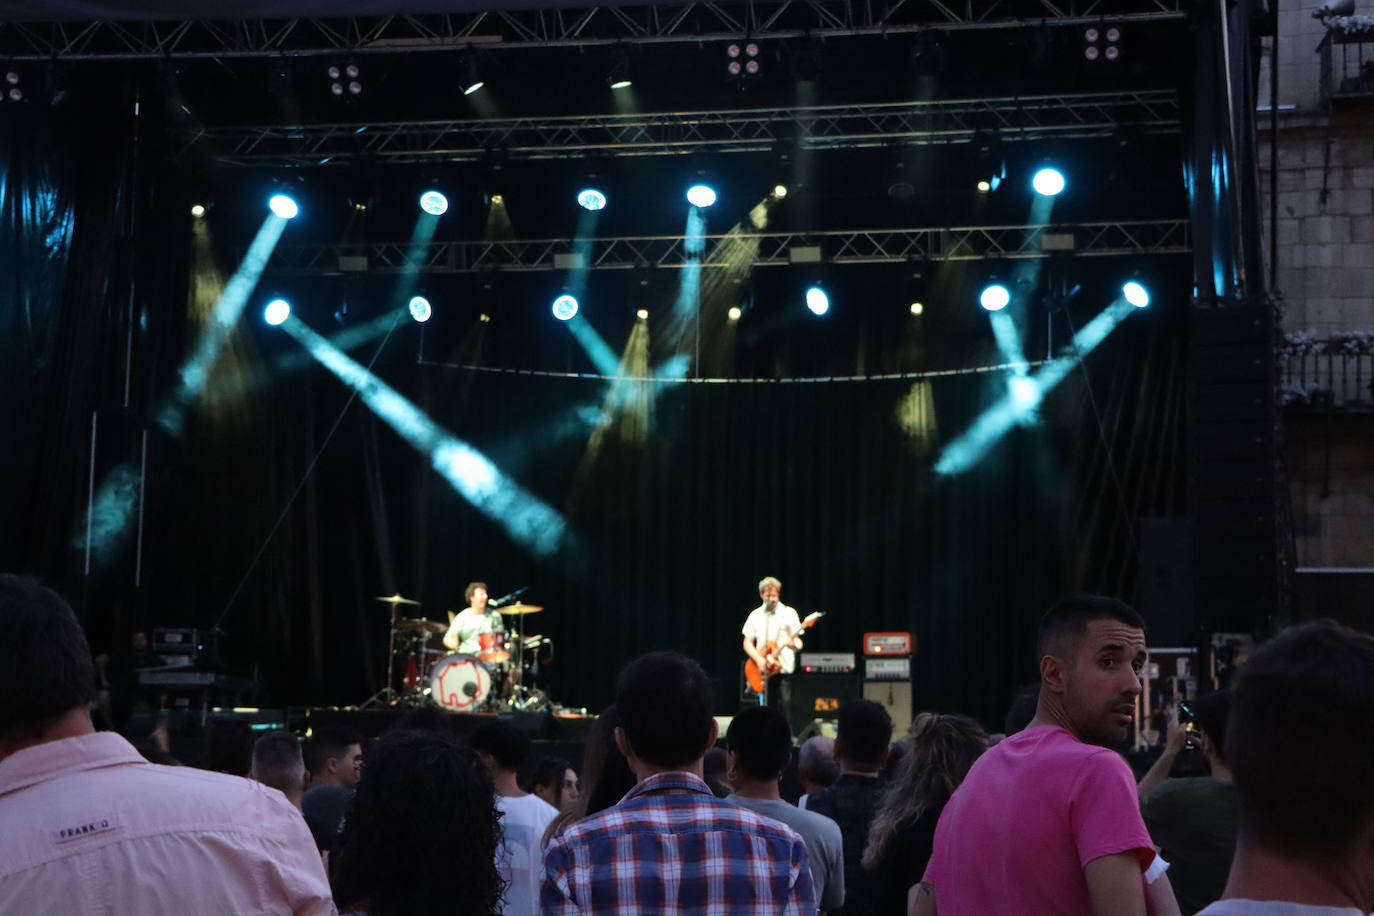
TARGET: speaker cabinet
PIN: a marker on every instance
(895, 697)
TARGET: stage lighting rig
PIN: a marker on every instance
(618, 72)
(743, 58)
(420, 309)
(277, 311)
(1135, 293)
(433, 202)
(284, 206)
(344, 79)
(817, 300)
(591, 199)
(472, 78)
(1048, 181)
(14, 89)
(994, 297)
(1100, 43)
(564, 307)
(701, 196)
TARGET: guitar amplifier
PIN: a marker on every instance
(889, 644)
(825, 662)
(887, 669)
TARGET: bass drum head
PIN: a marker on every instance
(459, 683)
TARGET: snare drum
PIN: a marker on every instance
(492, 647)
(460, 683)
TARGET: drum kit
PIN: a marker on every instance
(500, 677)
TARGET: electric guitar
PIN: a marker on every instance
(758, 679)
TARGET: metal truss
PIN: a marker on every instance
(743, 130)
(874, 246)
(553, 27)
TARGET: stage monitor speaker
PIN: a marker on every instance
(895, 697)
(820, 696)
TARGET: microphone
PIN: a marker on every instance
(497, 602)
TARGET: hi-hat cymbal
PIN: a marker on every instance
(520, 609)
(397, 599)
(419, 625)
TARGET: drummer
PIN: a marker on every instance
(465, 633)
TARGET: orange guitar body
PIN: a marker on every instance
(759, 679)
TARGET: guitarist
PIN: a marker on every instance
(773, 622)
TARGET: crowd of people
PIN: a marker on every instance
(1046, 819)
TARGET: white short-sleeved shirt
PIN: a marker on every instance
(468, 626)
(763, 627)
(523, 822)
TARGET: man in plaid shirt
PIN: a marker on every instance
(671, 848)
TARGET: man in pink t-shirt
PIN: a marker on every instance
(1048, 821)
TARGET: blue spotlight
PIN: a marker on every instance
(434, 203)
(1048, 182)
(277, 311)
(591, 199)
(419, 309)
(283, 206)
(564, 307)
(1025, 392)
(994, 297)
(817, 301)
(1136, 294)
(701, 195)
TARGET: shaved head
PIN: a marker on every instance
(1064, 625)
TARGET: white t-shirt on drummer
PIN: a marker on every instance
(520, 858)
(468, 625)
(764, 627)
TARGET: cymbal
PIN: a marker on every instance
(519, 609)
(420, 625)
(397, 599)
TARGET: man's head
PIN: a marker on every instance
(503, 745)
(476, 591)
(555, 781)
(769, 590)
(335, 757)
(666, 707)
(46, 669)
(816, 765)
(760, 745)
(1091, 651)
(1210, 712)
(279, 763)
(863, 736)
(1301, 749)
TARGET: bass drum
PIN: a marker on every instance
(459, 683)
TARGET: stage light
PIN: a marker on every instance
(817, 300)
(918, 308)
(1025, 393)
(984, 186)
(283, 206)
(618, 72)
(420, 309)
(434, 203)
(13, 91)
(780, 191)
(642, 314)
(1048, 182)
(591, 199)
(484, 318)
(700, 195)
(735, 313)
(472, 80)
(994, 297)
(497, 200)
(1136, 294)
(197, 210)
(564, 307)
(277, 311)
